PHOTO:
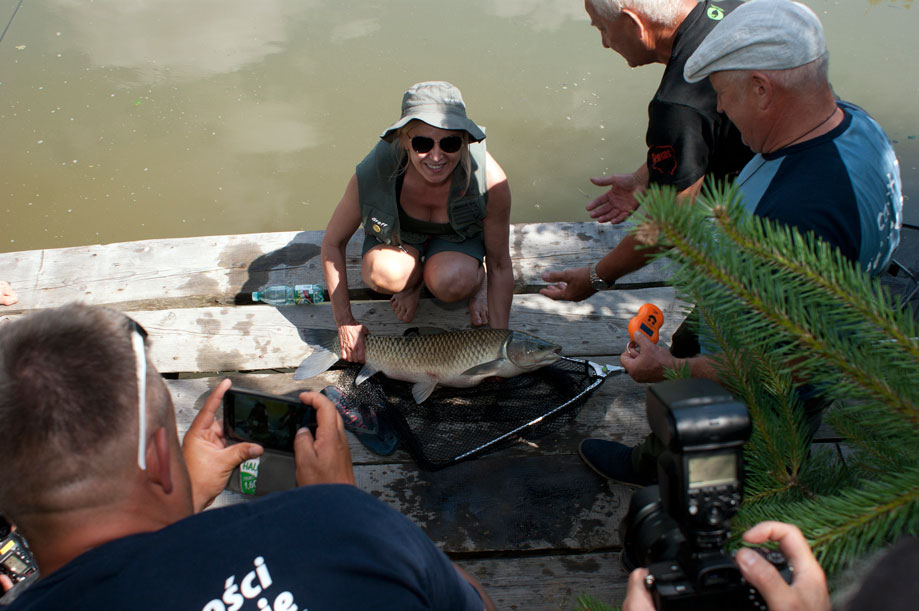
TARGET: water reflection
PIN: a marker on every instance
(176, 39)
(132, 120)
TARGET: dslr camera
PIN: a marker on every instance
(678, 529)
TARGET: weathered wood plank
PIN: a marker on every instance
(500, 503)
(528, 497)
(263, 337)
(554, 582)
(614, 411)
(210, 270)
(496, 504)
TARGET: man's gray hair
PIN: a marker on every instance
(665, 12)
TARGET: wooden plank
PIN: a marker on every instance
(614, 411)
(530, 497)
(496, 504)
(553, 582)
(211, 270)
(500, 503)
(263, 337)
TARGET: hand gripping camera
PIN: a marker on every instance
(16, 562)
(678, 529)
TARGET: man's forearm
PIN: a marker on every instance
(628, 256)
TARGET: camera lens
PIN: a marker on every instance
(648, 533)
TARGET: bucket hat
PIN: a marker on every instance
(438, 104)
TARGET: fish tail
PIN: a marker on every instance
(326, 352)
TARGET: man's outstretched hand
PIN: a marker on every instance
(617, 204)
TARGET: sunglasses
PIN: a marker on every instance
(138, 335)
(450, 144)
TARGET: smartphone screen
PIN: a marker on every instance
(269, 420)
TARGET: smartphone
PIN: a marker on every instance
(271, 421)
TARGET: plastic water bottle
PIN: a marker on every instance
(289, 295)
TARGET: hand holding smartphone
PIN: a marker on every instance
(269, 420)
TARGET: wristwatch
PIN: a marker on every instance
(598, 283)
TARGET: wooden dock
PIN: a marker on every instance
(531, 522)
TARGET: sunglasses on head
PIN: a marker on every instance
(138, 335)
(450, 144)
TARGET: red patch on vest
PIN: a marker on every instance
(663, 159)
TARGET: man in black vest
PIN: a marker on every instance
(687, 137)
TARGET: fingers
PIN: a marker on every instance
(765, 578)
(549, 276)
(244, 451)
(205, 417)
(351, 339)
(808, 589)
(7, 295)
(327, 457)
(554, 291)
(791, 542)
(614, 217)
(642, 340)
(304, 443)
(603, 181)
(637, 597)
(327, 417)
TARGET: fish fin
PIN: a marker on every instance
(366, 371)
(423, 390)
(319, 361)
(491, 368)
(324, 338)
(415, 331)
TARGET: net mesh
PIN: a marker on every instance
(455, 424)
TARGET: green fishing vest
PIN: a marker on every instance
(376, 183)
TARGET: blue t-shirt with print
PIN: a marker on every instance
(312, 548)
(844, 186)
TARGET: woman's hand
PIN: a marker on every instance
(351, 337)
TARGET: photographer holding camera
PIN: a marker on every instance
(678, 530)
(110, 501)
(807, 592)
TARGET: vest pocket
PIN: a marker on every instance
(466, 215)
(380, 225)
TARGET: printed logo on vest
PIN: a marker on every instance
(663, 159)
(377, 224)
(715, 13)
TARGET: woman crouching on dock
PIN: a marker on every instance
(434, 206)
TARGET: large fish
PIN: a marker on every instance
(452, 358)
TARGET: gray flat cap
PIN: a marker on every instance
(759, 35)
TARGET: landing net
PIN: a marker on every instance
(456, 424)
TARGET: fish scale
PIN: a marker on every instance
(453, 358)
(457, 351)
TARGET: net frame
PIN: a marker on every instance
(457, 424)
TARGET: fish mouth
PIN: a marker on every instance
(548, 357)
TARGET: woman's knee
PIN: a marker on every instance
(452, 285)
(385, 274)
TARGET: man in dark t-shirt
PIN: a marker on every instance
(687, 138)
(111, 503)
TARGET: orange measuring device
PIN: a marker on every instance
(649, 321)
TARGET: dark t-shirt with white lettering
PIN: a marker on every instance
(687, 137)
(312, 548)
